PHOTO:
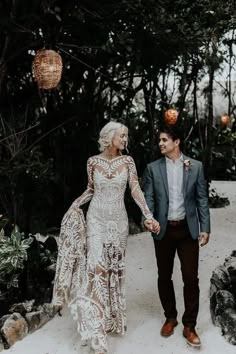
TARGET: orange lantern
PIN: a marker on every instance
(171, 116)
(47, 68)
(225, 119)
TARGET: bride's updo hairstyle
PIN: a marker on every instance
(107, 134)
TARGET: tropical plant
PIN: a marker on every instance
(3, 221)
(217, 200)
(226, 136)
(13, 254)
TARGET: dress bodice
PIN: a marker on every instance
(107, 180)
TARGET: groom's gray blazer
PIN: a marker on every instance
(155, 186)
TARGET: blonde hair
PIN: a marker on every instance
(107, 134)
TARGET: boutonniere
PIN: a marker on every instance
(186, 164)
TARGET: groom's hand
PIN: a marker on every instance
(152, 225)
(203, 238)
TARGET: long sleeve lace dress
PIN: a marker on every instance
(96, 290)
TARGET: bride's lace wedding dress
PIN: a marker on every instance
(91, 262)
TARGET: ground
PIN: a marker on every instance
(145, 316)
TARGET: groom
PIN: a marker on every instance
(176, 193)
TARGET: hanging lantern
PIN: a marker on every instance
(225, 119)
(47, 68)
(171, 116)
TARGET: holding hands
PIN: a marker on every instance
(152, 225)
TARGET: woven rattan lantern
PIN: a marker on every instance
(171, 116)
(225, 119)
(47, 68)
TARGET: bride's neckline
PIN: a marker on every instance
(109, 160)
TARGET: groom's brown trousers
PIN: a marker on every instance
(178, 238)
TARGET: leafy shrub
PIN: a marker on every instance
(216, 200)
(13, 255)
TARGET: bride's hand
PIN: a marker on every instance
(148, 224)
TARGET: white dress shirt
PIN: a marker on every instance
(175, 184)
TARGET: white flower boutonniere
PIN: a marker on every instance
(187, 164)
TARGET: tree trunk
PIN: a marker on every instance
(209, 127)
(150, 119)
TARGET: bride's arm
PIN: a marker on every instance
(136, 191)
(86, 196)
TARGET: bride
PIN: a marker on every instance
(90, 273)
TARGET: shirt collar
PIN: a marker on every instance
(180, 159)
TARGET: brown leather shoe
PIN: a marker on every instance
(191, 336)
(168, 327)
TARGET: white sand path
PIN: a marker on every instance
(145, 316)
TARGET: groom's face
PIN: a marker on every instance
(167, 145)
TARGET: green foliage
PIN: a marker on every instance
(47, 256)
(38, 274)
(117, 57)
(24, 170)
(13, 255)
(226, 136)
(25, 271)
(3, 221)
(192, 148)
(223, 154)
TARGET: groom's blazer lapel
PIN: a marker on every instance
(164, 175)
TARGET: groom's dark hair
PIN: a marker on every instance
(173, 131)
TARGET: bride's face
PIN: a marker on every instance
(120, 138)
